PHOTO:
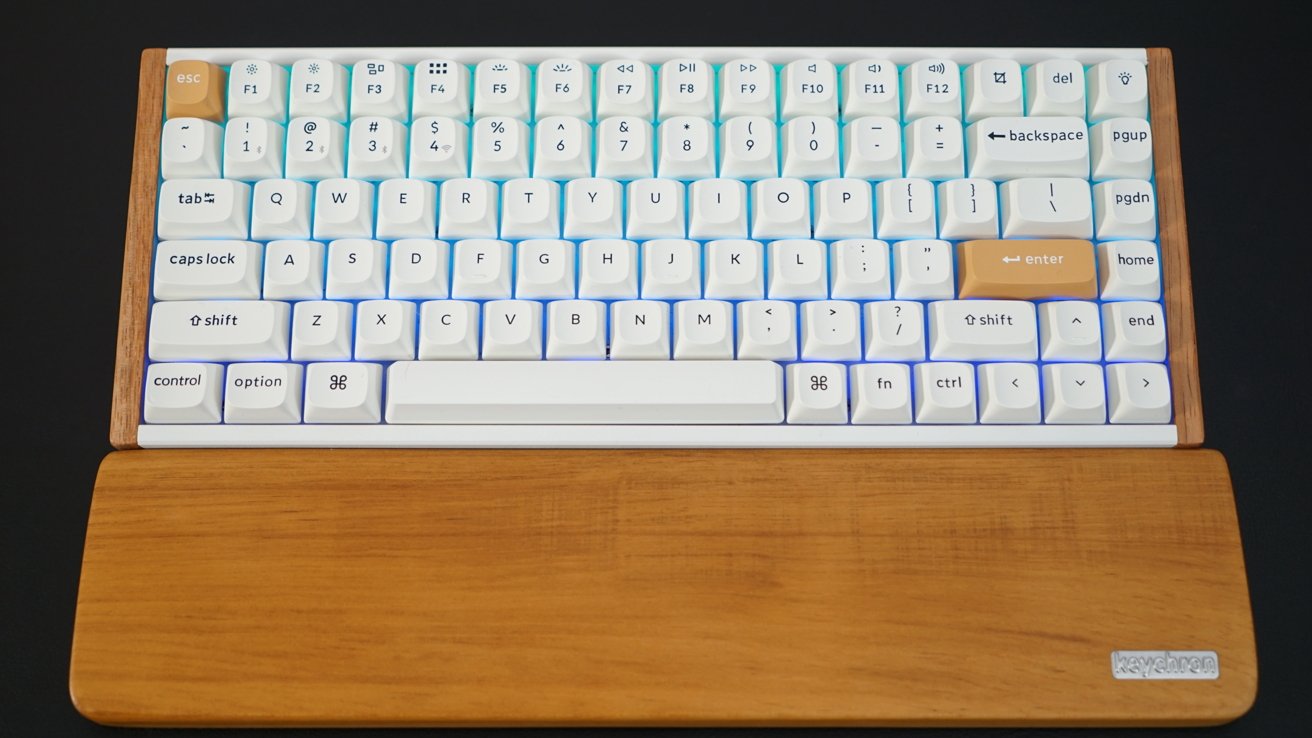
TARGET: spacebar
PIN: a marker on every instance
(609, 392)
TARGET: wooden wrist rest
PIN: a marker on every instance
(712, 587)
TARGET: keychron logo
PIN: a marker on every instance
(1165, 665)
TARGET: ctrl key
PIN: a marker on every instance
(183, 393)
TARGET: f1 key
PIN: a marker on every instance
(195, 90)
(1026, 270)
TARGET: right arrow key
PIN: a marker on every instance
(1026, 269)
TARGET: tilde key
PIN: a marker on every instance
(1026, 269)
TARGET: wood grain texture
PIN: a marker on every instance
(1177, 285)
(134, 301)
(321, 587)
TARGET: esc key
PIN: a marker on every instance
(194, 89)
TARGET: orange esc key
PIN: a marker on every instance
(194, 90)
(1026, 269)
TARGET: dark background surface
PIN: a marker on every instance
(69, 91)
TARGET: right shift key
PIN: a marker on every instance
(1030, 269)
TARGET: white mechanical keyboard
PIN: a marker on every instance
(656, 247)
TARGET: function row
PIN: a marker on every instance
(565, 87)
(683, 147)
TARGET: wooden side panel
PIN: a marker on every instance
(1186, 391)
(129, 362)
(306, 587)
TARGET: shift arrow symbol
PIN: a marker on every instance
(195, 320)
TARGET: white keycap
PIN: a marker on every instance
(993, 88)
(500, 148)
(734, 270)
(293, 270)
(1138, 393)
(797, 270)
(1055, 87)
(441, 88)
(624, 88)
(376, 149)
(1133, 331)
(343, 393)
(420, 269)
(481, 269)
(922, 270)
(931, 87)
(945, 393)
(934, 148)
(263, 393)
(687, 87)
(281, 209)
(253, 149)
(1073, 394)
(703, 329)
(564, 88)
(905, 209)
(563, 148)
(316, 149)
(616, 392)
(439, 148)
(385, 330)
(544, 269)
(895, 331)
(639, 329)
(843, 209)
(1121, 148)
(1008, 393)
(321, 331)
(747, 88)
(1070, 330)
(501, 88)
(767, 329)
(576, 329)
(718, 209)
(968, 208)
(190, 148)
(1129, 270)
(207, 270)
(748, 149)
(1118, 87)
(1047, 208)
(204, 208)
(448, 329)
(318, 88)
(512, 329)
(608, 269)
(881, 394)
(357, 269)
(671, 269)
(343, 208)
(530, 208)
(1124, 208)
(858, 269)
(817, 393)
(257, 88)
(183, 393)
(809, 87)
(831, 330)
(983, 330)
(380, 87)
(220, 330)
(594, 208)
(781, 208)
(1007, 148)
(870, 87)
(656, 209)
(468, 209)
(872, 148)
(810, 147)
(407, 208)
(624, 148)
(687, 148)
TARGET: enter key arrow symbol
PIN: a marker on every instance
(1010, 259)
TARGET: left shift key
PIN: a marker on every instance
(219, 330)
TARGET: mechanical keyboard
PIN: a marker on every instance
(656, 247)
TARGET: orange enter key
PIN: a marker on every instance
(1026, 270)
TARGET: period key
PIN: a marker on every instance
(1030, 269)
